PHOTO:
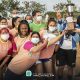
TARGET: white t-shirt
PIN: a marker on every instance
(48, 35)
(67, 43)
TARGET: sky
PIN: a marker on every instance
(50, 3)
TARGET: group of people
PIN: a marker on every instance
(37, 45)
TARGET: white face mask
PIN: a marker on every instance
(39, 18)
(14, 15)
(52, 29)
(35, 40)
(29, 21)
(3, 26)
(5, 37)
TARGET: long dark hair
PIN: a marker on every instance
(26, 23)
(14, 20)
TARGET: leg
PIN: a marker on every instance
(48, 66)
(60, 63)
(49, 69)
(71, 61)
(39, 69)
(70, 73)
(60, 72)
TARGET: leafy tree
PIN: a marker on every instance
(32, 5)
(8, 5)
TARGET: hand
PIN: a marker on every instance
(64, 32)
(45, 41)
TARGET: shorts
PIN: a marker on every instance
(66, 57)
(43, 60)
(9, 75)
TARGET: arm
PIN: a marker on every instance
(39, 46)
(51, 42)
(5, 61)
(76, 30)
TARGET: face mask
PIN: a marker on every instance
(14, 15)
(3, 26)
(39, 18)
(35, 40)
(5, 37)
(52, 29)
(29, 21)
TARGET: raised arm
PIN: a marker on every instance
(39, 46)
(56, 39)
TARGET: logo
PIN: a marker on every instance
(28, 73)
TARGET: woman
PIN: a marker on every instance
(28, 54)
(23, 32)
(15, 23)
(3, 23)
(66, 55)
(46, 54)
(6, 49)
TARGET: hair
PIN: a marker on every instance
(28, 15)
(2, 18)
(34, 12)
(11, 37)
(14, 20)
(50, 20)
(4, 29)
(37, 34)
(26, 23)
(78, 20)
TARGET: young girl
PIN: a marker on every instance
(66, 55)
(23, 32)
(6, 48)
(46, 54)
(28, 54)
(15, 24)
(3, 23)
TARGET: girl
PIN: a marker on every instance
(46, 54)
(6, 48)
(15, 23)
(28, 54)
(23, 32)
(3, 23)
(66, 55)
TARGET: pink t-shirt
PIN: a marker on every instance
(19, 41)
(6, 48)
(28, 45)
(47, 52)
(24, 59)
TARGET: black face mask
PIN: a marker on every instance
(60, 21)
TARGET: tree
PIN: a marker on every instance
(69, 1)
(59, 6)
(8, 6)
(32, 5)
